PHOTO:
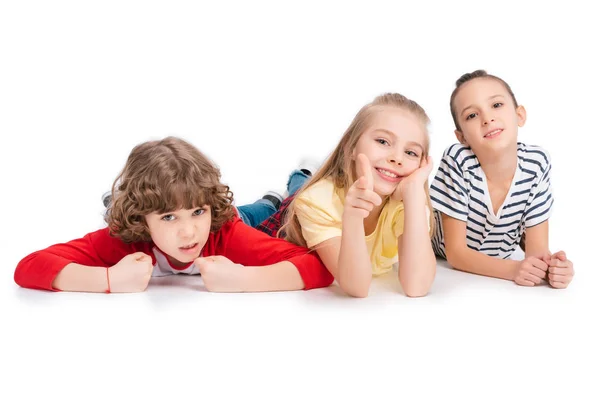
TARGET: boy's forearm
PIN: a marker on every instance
(470, 260)
(81, 278)
(354, 264)
(282, 276)
(416, 261)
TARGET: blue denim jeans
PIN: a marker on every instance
(255, 213)
(296, 180)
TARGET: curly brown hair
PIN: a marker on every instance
(163, 176)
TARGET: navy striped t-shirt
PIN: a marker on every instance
(460, 191)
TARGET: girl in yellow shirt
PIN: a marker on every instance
(368, 206)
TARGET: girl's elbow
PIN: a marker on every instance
(416, 292)
(359, 293)
(417, 286)
(356, 290)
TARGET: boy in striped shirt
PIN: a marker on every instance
(492, 193)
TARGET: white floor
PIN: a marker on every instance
(472, 337)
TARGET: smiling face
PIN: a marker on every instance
(487, 117)
(180, 234)
(394, 143)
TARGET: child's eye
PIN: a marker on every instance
(199, 211)
(382, 141)
(471, 116)
(412, 153)
(497, 105)
(168, 217)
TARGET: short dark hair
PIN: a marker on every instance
(469, 76)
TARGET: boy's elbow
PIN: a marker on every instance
(25, 274)
(20, 275)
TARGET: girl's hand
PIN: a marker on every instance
(560, 270)
(361, 199)
(220, 274)
(131, 274)
(415, 181)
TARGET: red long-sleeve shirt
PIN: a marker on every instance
(237, 241)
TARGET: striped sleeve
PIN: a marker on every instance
(449, 193)
(540, 208)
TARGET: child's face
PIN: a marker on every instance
(180, 234)
(487, 117)
(394, 143)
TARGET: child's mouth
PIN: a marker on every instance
(388, 175)
(493, 134)
(189, 248)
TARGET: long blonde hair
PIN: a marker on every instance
(340, 166)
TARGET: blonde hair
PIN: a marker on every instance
(340, 166)
(163, 176)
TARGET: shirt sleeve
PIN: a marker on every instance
(397, 218)
(245, 245)
(97, 249)
(449, 193)
(540, 208)
(319, 213)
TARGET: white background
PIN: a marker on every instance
(257, 86)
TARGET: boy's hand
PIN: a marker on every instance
(415, 181)
(131, 274)
(361, 199)
(220, 274)
(530, 272)
(560, 270)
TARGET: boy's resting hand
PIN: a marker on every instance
(131, 274)
(220, 274)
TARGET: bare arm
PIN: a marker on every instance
(272, 264)
(465, 259)
(282, 276)
(353, 276)
(536, 241)
(354, 265)
(347, 258)
(416, 261)
(81, 278)
(130, 275)
(80, 265)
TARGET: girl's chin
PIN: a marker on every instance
(385, 191)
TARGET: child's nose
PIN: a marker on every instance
(487, 118)
(396, 159)
(186, 230)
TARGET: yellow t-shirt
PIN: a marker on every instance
(319, 210)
